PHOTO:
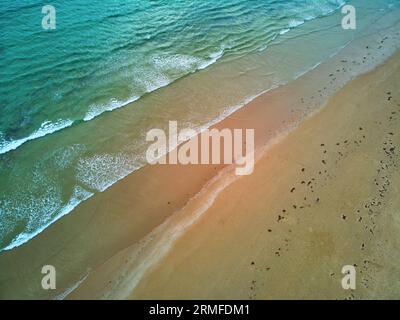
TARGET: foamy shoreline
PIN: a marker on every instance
(318, 99)
(120, 199)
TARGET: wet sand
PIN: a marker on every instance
(324, 197)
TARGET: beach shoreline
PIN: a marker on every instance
(271, 236)
(107, 226)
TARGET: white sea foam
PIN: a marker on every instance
(295, 23)
(155, 77)
(284, 31)
(154, 81)
(96, 110)
(79, 195)
(181, 62)
(100, 172)
(46, 128)
(213, 58)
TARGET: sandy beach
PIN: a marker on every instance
(323, 195)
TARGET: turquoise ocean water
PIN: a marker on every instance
(76, 101)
